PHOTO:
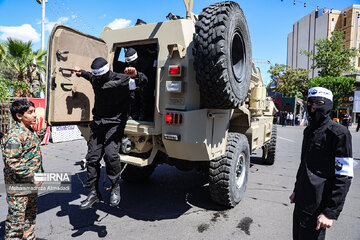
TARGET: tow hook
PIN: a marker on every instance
(127, 145)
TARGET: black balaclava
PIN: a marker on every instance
(100, 67)
(322, 112)
(131, 57)
(105, 77)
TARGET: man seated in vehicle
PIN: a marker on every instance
(136, 111)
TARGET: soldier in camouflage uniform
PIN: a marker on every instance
(22, 159)
(35, 81)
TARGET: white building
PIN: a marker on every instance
(320, 24)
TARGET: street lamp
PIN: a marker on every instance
(42, 2)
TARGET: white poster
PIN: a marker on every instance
(65, 133)
(356, 107)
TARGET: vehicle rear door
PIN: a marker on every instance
(70, 99)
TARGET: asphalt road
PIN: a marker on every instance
(176, 205)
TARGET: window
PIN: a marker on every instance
(344, 22)
(359, 62)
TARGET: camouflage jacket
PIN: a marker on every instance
(21, 154)
(35, 76)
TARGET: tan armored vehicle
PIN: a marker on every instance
(206, 106)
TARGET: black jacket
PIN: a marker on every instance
(111, 97)
(321, 183)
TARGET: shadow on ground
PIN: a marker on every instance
(167, 194)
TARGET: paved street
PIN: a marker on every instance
(176, 205)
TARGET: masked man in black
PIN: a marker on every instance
(137, 101)
(326, 170)
(107, 128)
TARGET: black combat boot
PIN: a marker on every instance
(115, 195)
(93, 197)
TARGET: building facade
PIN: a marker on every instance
(321, 24)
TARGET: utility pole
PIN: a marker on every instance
(42, 2)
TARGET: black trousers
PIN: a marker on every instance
(304, 226)
(104, 141)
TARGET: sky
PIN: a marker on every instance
(269, 21)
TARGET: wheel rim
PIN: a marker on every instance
(238, 56)
(240, 171)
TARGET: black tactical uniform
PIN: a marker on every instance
(324, 176)
(137, 96)
(107, 128)
(109, 119)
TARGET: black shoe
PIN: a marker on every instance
(115, 195)
(93, 197)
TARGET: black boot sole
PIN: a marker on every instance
(114, 204)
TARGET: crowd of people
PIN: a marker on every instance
(285, 118)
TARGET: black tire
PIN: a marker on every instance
(222, 56)
(137, 174)
(269, 148)
(228, 175)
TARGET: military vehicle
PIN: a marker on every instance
(206, 106)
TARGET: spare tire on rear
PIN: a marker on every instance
(222, 56)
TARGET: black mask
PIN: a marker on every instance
(132, 63)
(104, 78)
(321, 112)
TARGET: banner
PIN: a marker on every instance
(40, 117)
(356, 107)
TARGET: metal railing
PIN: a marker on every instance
(6, 121)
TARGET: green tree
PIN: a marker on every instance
(291, 82)
(16, 57)
(4, 90)
(340, 86)
(332, 57)
(6, 85)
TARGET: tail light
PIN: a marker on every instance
(175, 71)
(173, 118)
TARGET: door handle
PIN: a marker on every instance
(64, 85)
(66, 69)
(59, 55)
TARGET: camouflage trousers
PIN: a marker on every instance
(20, 221)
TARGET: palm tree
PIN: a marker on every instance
(40, 59)
(16, 56)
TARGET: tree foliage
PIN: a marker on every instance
(15, 59)
(332, 57)
(6, 85)
(340, 87)
(291, 82)
(4, 90)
